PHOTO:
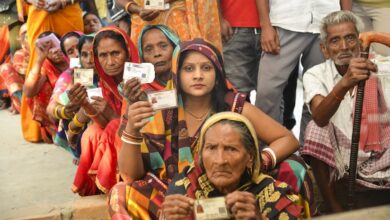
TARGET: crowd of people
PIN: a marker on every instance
(157, 163)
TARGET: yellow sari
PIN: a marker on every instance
(188, 18)
(60, 22)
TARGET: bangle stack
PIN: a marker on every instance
(63, 115)
(55, 113)
(77, 122)
(91, 116)
(271, 154)
(131, 139)
(73, 132)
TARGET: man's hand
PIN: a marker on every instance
(226, 31)
(270, 40)
(359, 69)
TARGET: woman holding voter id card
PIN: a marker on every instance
(111, 49)
(227, 170)
(158, 144)
(40, 81)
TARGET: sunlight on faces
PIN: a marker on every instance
(224, 157)
(91, 24)
(197, 75)
(157, 49)
(112, 56)
(342, 43)
(70, 46)
(86, 57)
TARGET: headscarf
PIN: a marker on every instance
(167, 149)
(109, 87)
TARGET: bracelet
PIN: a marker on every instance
(63, 115)
(77, 122)
(91, 116)
(336, 97)
(127, 6)
(266, 164)
(272, 154)
(55, 113)
(124, 139)
(131, 137)
(73, 132)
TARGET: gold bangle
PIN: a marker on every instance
(77, 122)
(63, 115)
(73, 132)
(56, 112)
(127, 6)
(128, 141)
(91, 116)
(336, 96)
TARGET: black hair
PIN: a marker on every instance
(65, 37)
(90, 13)
(220, 88)
(84, 39)
(110, 34)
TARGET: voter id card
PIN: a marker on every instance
(49, 41)
(94, 92)
(163, 99)
(211, 209)
(143, 71)
(156, 5)
(74, 63)
(83, 76)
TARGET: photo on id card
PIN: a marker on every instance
(163, 99)
(83, 76)
(211, 209)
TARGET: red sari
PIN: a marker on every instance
(97, 168)
(39, 103)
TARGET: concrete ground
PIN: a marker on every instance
(35, 178)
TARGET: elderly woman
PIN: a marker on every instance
(229, 165)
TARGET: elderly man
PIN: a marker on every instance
(329, 92)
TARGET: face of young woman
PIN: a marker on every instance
(224, 157)
(197, 75)
(86, 56)
(157, 50)
(70, 46)
(111, 56)
(91, 24)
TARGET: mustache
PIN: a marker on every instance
(345, 53)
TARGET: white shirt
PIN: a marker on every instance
(320, 80)
(301, 15)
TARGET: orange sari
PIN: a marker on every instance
(188, 18)
(60, 22)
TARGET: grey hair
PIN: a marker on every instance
(245, 134)
(339, 17)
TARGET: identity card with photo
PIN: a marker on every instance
(211, 209)
(94, 92)
(143, 71)
(163, 99)
(50, 40)
(83, 76)
(156, 5)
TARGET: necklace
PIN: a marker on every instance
(199, 118)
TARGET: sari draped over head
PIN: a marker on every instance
(273, 198)
(97, 170)
(39, 21)
(167, 148)
(188, 18)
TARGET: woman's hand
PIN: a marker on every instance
(177, 207)
(39, 4)
(54, 5)
(42, 52)
(243, 205)
(148, 14)
(77, 94)
(132, 90)
(100, 104)
(138, 116)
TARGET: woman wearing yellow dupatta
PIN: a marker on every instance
(150, 157)
(59, 17)
(188, 18)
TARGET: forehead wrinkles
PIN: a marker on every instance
(154, 36)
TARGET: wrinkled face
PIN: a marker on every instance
(342, 43)
(197, 75)
(91, 24)
(111, 56)
(70, 46)
(86, 56)
(55, 55)
(224, 157)
(157, 50)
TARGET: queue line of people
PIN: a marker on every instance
(134, 154)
